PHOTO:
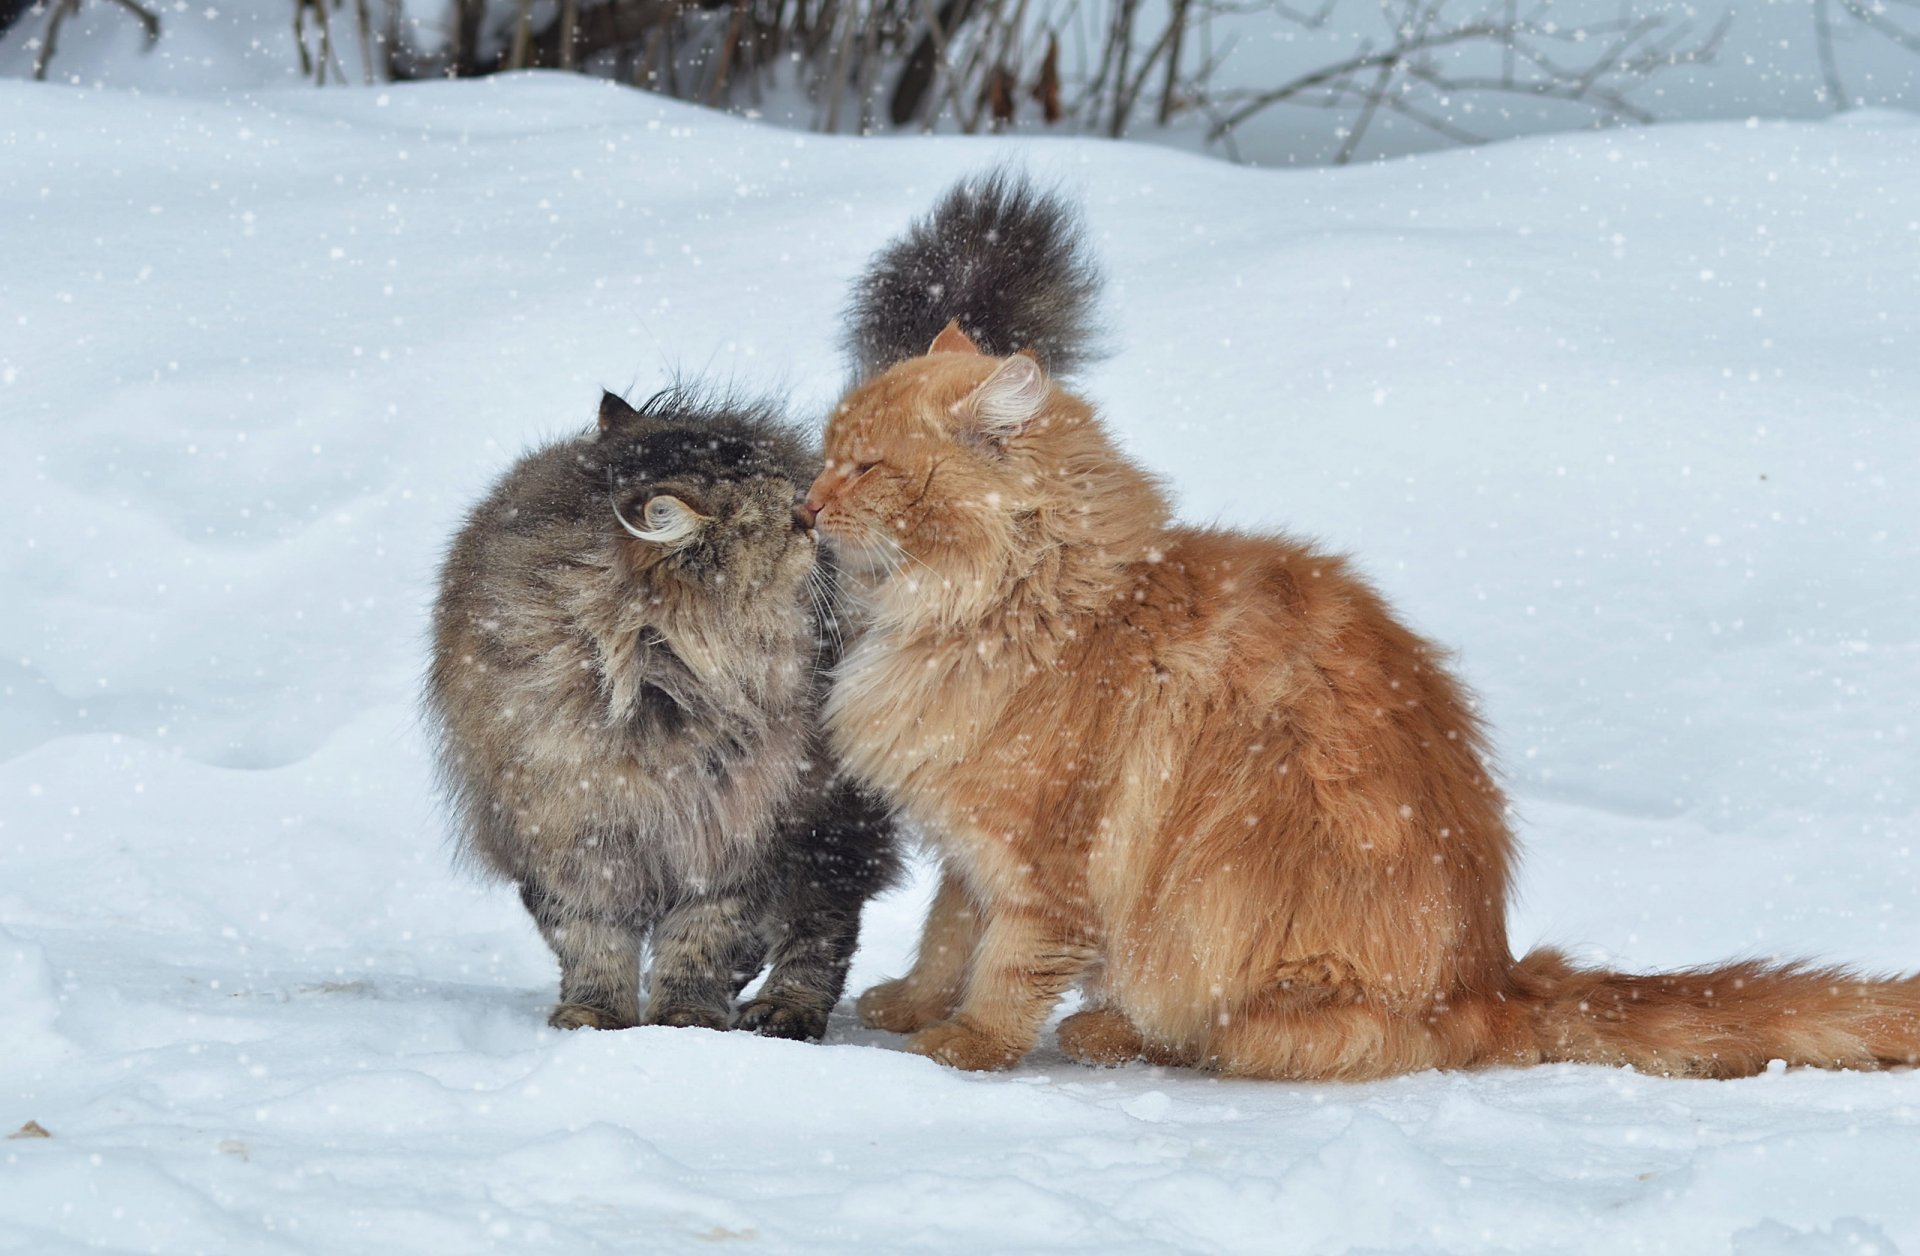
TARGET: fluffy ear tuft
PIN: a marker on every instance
(614, 410)
(1007, 401)
(669, 521)
(952, 340)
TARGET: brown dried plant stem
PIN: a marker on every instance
(569, 31)
(63, 9)
(316, 66)
(522, 36)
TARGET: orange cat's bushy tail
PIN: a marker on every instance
(1727, 1021)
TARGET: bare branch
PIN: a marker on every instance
(1352, 65)
(1375, 95)
(1438, 125)
(63, 9)
(1872, 17)
(1594, 66)
(149, 20)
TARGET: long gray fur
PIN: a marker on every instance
(629, 730)
(1007, 260)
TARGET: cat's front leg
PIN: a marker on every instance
(704, 949)
(1025, 960)
(933, 986)
(838, 856)
(599, 963)
(808, 971)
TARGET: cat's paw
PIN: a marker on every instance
(894, 1007)
(689, 1017)
(958, 1044)
(1100, 1036)
(782, 1020)
(586, 1016)
(1320, 978)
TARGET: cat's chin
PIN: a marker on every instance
(858, 560)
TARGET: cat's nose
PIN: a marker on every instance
(804, 513)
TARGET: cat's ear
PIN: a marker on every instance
(1007, 401)
(669, 521)
(614, 411)
(952, 340)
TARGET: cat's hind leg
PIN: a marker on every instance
(1102, 1035)
(932, 987)
(1303, 1035)
(599, 963)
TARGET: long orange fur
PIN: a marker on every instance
(1210, 778)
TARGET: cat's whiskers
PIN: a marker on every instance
(826, 611)
(909, 556)
(832, 605)
(880, 560)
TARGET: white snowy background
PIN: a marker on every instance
(1631, 419)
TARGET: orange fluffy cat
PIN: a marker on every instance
(1206, 776)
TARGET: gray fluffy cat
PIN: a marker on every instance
(629, 655)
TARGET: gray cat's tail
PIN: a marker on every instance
(1007, 260)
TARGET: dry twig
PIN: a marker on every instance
(63, 9)
(1416, 76)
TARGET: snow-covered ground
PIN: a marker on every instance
(1629, 418)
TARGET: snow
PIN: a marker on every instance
(1628, 418)
(1768, 64)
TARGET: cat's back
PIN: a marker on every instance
(533, 514)
(493, 616)
(1280, 634)
(1218, 604)
(1290, 625)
